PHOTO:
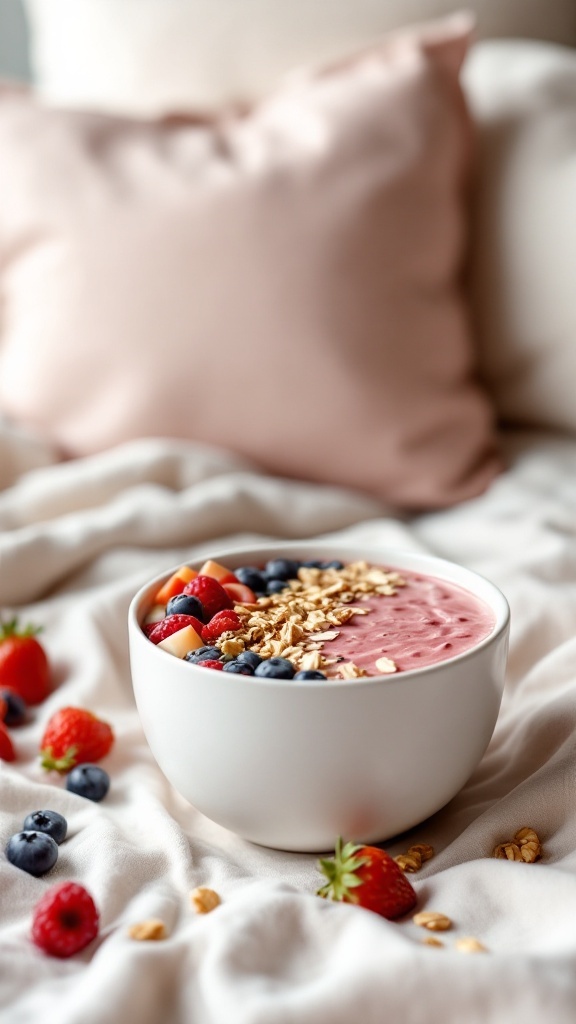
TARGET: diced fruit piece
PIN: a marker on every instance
(231, 577)
(24, 666)
(172, 624)
(157, 612)
(174, 585)
(89, 781)
(65, 920)
(187, 604)
(240, 593)
(211, 664)
(181, 642)
(275, 668)
(223, 622)
(73, 736)
(33, 852)
(210, 593)
(50, 822)
(368, 877)
(215, 570)
(7, 752)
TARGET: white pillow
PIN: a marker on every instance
(147, 56)
(524, 241)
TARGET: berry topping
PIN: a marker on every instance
(240, 668)
(23, 663)
(250, 658)
(275, 586)
(74, 736)
(186, 604)
(281, 569)
(310, 673)
(332, 565)
(172, 624)
(65, 920)
(253, 578)
(89, 781)
(7, 752)
(34, 852)
(275, 668)
(50, 822)
(203, 654)
(222, 622)
(209, 663)
(212, 595)
(16, 708)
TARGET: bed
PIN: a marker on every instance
(81, 533)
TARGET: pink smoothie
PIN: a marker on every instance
(426, 621)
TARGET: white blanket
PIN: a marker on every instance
(77, 540)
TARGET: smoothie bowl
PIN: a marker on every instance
(333, 691)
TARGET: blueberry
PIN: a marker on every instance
(249, 658)
(276, 586)
(16, 707)
(241, 668)
(310, 673)
(34, 852)
(332, 565)
(185, 604)
(311, 565)
(281, 569)
(50, 822)
(88, 780)
(203, 654)
(252, 577)
(276, 668)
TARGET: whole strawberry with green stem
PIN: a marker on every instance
(368, 877)
(74, 736)
(24, 666)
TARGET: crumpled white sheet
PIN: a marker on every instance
(78, 538)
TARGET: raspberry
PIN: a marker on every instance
(171, 624)
(222, 622)
(209, 592)
(65, 920)
(211, 664)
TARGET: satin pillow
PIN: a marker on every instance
(283, 282)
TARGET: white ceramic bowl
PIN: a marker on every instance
(293, 765)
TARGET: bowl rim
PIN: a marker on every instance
(347, 551)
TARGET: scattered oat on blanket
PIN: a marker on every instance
(468, 944)
(204, 900)
(152, 930)
(433, 920)
(414, 858)
(525, 846)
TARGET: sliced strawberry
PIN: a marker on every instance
(171, 624)
(240, 593)
(222, 622)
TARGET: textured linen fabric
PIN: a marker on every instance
(77, 540)
(284, 283)
(523, 98)
(149, 56)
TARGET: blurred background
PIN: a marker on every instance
(14, 53)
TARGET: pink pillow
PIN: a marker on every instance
(283, 282)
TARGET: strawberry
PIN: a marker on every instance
(74, 736)
(222, 622)
(171, 624)
(210, 593)
(240, 593)
(7, 752)
(23, 662)
(368, 877)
